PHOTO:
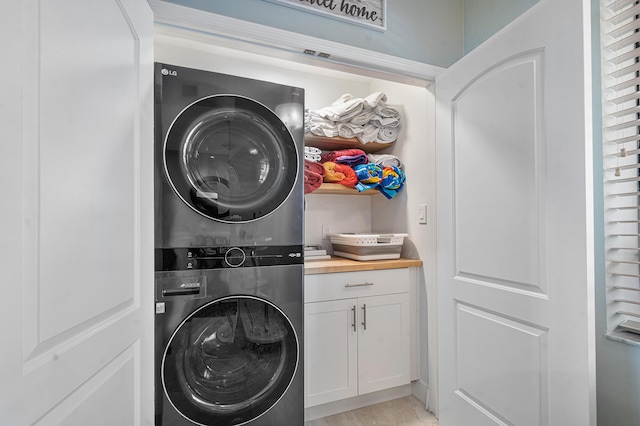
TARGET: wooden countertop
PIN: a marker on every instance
(340, 264)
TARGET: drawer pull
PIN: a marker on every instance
(358, 285)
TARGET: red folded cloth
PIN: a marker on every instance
(313, 174)
(312, 181)
(339, 173)
(314, 167)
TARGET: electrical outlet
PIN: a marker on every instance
(326, 231)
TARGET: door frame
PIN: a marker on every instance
(181, 21)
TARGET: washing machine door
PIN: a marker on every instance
(230, 361)
(230, 158)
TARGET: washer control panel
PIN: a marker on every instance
(189, 258)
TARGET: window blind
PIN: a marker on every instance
(621, 149)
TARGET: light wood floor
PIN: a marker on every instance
(407, 411)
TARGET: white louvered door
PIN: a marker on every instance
(77, 214)
(515, 226)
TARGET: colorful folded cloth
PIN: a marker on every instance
(339, 173)
(392, 181)
(351, 157)
(369, 176)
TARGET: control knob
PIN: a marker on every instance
(235, 257)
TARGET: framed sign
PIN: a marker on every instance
(370, 13)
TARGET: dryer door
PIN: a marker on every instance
(230, 361)
(230, 158)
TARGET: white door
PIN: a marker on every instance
(515, 250)
(383, 342)
(77, 213)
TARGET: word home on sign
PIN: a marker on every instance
(368, 12)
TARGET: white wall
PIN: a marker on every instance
(483, 18)
(428, 31)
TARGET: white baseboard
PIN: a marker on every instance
(420, 389)
(356, 402)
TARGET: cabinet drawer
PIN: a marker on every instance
(344, 285)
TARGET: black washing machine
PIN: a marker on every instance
(229, 160)
(228, 238)
(229, 339)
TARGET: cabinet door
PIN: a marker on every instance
(331, 353)
(383, 342)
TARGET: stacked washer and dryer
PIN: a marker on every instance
(229, 250)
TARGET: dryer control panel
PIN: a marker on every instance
(193, 258)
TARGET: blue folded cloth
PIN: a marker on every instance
(369, 176)
(392, 181)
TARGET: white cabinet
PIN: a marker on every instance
(357, 333)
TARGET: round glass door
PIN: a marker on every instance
(230, 158)
(230, 361)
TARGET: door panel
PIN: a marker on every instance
(331, 370)
(509, 354)
(75, 332)
(515, 251)
(499, 148)
(383, 346)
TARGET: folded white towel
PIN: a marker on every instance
(369, 133)
(324, 129)
(384, 121)
(374, 99)
(387, 134)
(311, 150)
(313, 157)
(386, 111)
(363, 118)
(341, 111)
(385, 160)
(368, 119)
(347, 131)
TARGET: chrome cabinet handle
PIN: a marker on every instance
(364, 316)
(358, 285)
(354, 318)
